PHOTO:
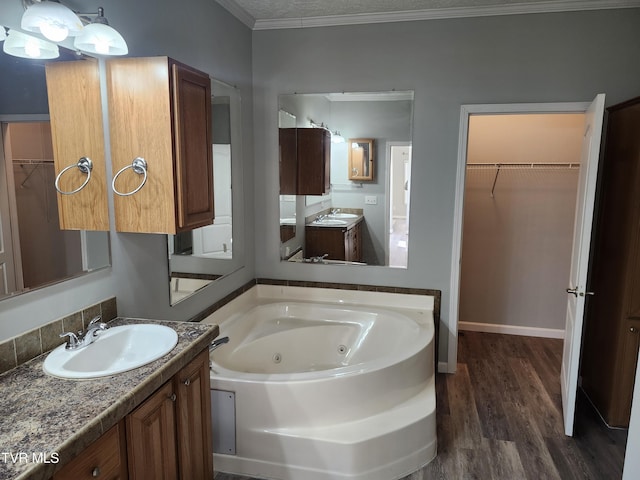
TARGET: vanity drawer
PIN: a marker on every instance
(103, 459)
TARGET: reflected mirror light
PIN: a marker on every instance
(203, 255)
(364, 218)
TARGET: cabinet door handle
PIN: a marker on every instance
(85, 165)
(633, 330)
(172, 397)
(187, 382)
(139, 166)
(95, 472)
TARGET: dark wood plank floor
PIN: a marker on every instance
(500, 417)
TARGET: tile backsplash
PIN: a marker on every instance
(20, 349)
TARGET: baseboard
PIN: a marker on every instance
(511, 330)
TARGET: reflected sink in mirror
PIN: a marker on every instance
(116, 350)
(329, 221)
(342, 215)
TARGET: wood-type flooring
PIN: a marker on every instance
(500, 417)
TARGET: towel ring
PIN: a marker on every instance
(139, 166)
(85, 165)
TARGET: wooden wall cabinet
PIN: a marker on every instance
(612, 326)
(75, 110)
(168, 436)
(305, 161)
(338, 243)
(360, 153)
(160, 110)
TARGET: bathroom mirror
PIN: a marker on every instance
(34, 252)
(203, 255)
(380, 123)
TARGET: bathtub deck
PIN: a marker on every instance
(500, 417)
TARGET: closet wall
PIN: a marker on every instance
(518, 222)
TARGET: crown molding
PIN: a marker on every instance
(435, 13)
(238, 12)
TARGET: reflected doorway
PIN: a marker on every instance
(399, 167)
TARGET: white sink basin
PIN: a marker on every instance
(116, 350)
(342, 215)
(329, 221)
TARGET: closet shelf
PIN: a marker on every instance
(513, 166)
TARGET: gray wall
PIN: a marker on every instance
(207, 37)
(508, 59)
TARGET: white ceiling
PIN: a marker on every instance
(273, 14)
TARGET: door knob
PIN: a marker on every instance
(574, 291)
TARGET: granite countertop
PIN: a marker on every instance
(44, 418)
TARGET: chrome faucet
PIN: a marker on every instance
(319, 218)
(217, 342)
(335, 211)
(87, 337)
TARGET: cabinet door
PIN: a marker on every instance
(151, 437)
(193, 162)
(193, 407)
(288, 161)
(140, 126)
(75, 108)
(106, 459)
(314, 161)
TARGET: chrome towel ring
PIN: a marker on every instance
(85, 165)
(139, 166)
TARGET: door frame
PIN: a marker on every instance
(465, 113)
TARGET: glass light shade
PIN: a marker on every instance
(101, 39)
(19, 44)
(51, 19)
(3, 33)
(336, 137)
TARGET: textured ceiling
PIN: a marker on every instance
(276, 14)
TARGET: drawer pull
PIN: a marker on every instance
(633, 330)
(95, 472)
(173, 397)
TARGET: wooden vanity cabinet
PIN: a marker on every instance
(106, 458)
(160, 110)
(305, 161)
(169, 435)
(75, 110)
(338, 243)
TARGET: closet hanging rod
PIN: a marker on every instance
(525, 165)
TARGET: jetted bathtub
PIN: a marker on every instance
(328, 384)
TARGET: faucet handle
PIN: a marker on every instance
(72, 340)
(94, 320)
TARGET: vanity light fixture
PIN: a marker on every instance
(99, 37)
(50, 18)
(22, 45)
(336, 137)
(3, 33)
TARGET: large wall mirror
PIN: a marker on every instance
(207, 254)
(362, 220)
(34, 252)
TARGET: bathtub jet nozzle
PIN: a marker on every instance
(217, 342)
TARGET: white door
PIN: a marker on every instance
(580, 259)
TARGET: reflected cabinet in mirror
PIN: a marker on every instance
(34, 251)
(362, 217)
(203, 255)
